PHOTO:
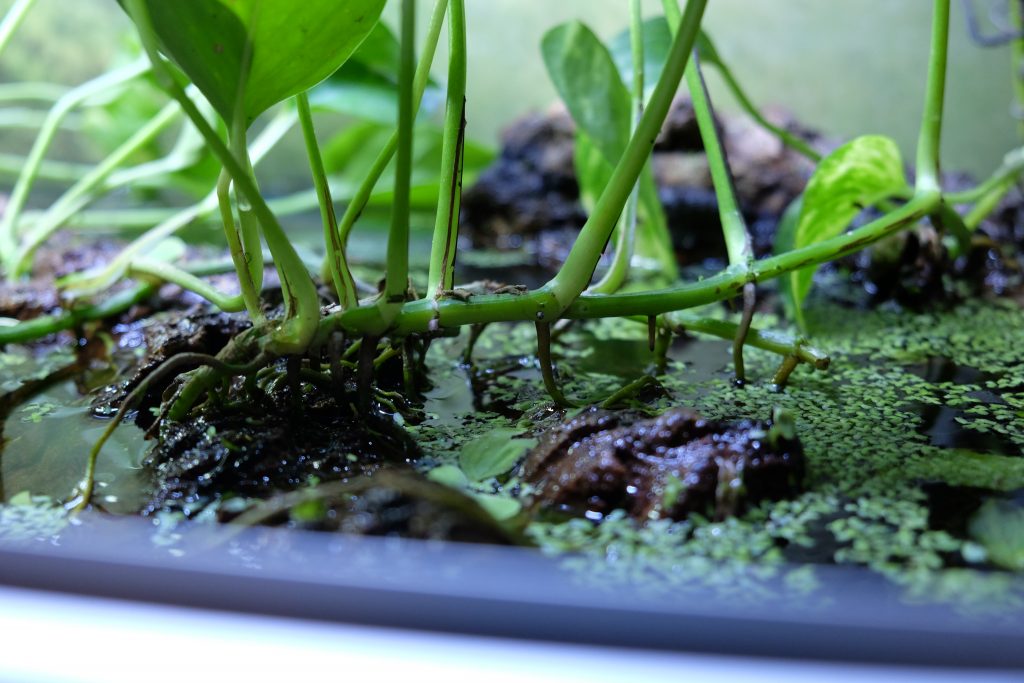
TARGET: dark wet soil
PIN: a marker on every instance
(530, 198)
(257, 451)
(669, 466)
(194, 331)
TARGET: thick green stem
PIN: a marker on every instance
(362, 195)
(446, 226)
(578, 268)
(340, 273)
(302, 304)
(780, 344)
(425, 315)
(12, 20)
(397, 278)
(734, 227)
(250, 292)
(65, 105)
(928, 145)
(248, 223)
(738, 244)
(88, 188)
(626, 233)
(44, 325)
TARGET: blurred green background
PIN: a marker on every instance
(844, 66)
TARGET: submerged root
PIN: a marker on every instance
(82, 498)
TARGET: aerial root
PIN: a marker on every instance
(749, 302)
(547, 369)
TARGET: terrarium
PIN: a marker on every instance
(268, 286)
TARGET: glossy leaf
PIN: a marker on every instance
(859, 174)
(588, 81)
(657, 41)
(294, 45)
(493, 454)
(366, 86)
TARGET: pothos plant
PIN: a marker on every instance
(223, 63)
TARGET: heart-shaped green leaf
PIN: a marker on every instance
(586, 78)
(294, 45)
(859, 174)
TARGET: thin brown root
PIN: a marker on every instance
(749, 301)
(83, 496)
(547, 369)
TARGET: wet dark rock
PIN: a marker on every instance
(669, 466)
(392, 502)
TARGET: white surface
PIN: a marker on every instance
(54, 637)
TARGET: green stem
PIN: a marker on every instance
(626, 233)
(446, 226)
(425, 315)
(774, 342)
(54, 171)
(248, 222)
(397, 278)
(165, 272)
(576, 272)
(1017, 63)
(928, 146)
(250, 292)
(65, 105)
(180, 218)
(32, 119)
(362, 195)
(1012, 166)
(340, 273)
(987, 204)
(302, 304)
(734, 227)
(44, 325)
(21, 92)
(738, 244)
(86, 189)
(41, 326)
(794, 142)
(12, 20)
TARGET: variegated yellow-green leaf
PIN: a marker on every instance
(859, 174)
